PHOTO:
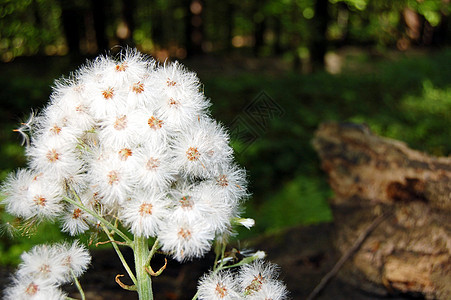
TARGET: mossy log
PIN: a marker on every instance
(410, 251)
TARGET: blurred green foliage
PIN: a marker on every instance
(272, 27)
(402, 97)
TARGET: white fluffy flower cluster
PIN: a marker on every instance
(44, 268)
(135, 141)
(255, 281)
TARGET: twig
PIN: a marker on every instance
(119, 254)
(357, 243)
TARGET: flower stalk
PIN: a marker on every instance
(143, 280)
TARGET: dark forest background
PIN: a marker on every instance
(384, 63)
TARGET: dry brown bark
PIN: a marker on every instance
(410, 251)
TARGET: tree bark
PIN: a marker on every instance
(410, 251)
(70, 19)
(318, 47)
(99, 17)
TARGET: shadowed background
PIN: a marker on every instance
(274, 70)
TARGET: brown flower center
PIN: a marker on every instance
(192, 153)
(138, 87)
(186, 202)
(184, 233)
(40, 200)
(122, 67)
(113, 177)
(77, 213)
(222, 180)
(32, 289)
(152, 164)
(124, 154)
(108, 93)
(52, 155)
(155, 123)
(221, 290)
(170, 82)
(145, 209)
(121, 123)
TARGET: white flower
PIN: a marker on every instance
(258, 280)
(202, 149)
(178, 95)
(181, 110)
(117, 132)
(218, 286)
(106, 99)
(141, 91)
(144, 212)
(204, 201)
(15, 189)
(53, 124)
(216, 210)
(110, 177)
(50, 156)
(27, 288)
(152, 167)
(46, 267)
(232, 180)
(75, 257)
(150, 125)
(75, 220)
(246, 222)
(69, 102)
(42, 198)
(131, 67)
(185, 239)
(274, 290)
(42, 263)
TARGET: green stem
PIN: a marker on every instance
(119, 253)
(144, 283)
(154, 249)
(100, 219)
(77, 283)
(195, 296)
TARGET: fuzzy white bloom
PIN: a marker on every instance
(259, 280)
(75, 257)
(40, 263)
(232, 180)
(246, 222)
(69, 103)
(274, 290)
(30, 194)
(202, 149)
(75, 220)
(15, 189)
(110, 177)
(218, 286)
(31, 289)
(185, 239)
(135, 143)
(52, 156)
(144, 213)
(152, 167)
(44, 268)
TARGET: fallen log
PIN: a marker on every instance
(410, 251)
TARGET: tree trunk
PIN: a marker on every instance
(98, 13)
(410, 251)
(318, 47)
(71, 23)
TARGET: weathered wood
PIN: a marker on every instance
(410, 252)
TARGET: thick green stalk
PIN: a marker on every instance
(144, 283)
